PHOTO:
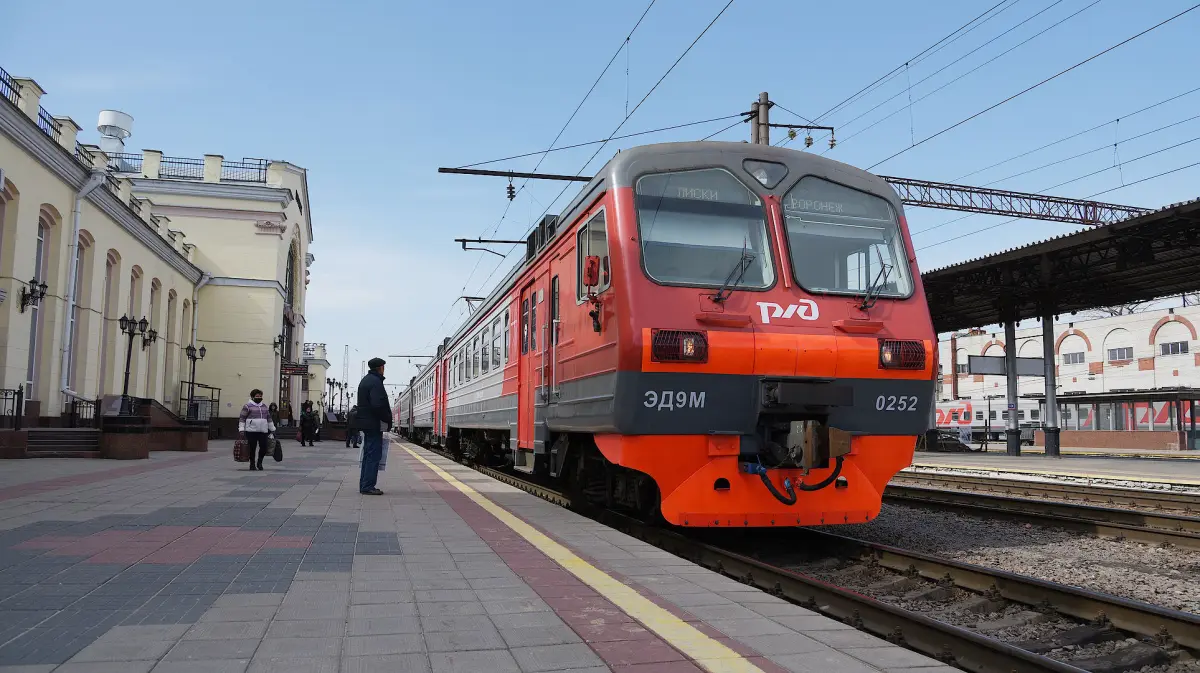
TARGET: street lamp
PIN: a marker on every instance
(130, 328)
(193, 355)
(148, 338)
(34, 294)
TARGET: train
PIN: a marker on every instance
(710, 334)
(986, 420)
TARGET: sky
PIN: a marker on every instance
(372, 97)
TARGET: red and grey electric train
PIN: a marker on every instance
(723, 334)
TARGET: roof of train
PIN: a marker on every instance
(625, 166)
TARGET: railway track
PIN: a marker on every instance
(962, 647)
(1039, 505)
(1101, 496)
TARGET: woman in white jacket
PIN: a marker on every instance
(256, 427)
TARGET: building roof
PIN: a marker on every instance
(1155, 395)
(1134, 260)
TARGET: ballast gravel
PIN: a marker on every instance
(1164, 576)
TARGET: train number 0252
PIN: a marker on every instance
(896, 403)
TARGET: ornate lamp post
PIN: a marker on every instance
(130, 328)
(193, 355)
(34, 294)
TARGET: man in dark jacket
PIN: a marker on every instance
(374, 416)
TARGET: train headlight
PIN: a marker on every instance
(898, 354)
(669, 345)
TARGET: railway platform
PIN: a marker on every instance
(192, 563)
(1182, 470)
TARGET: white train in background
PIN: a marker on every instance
(988, 418)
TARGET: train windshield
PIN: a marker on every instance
(702, 229)
(845, 241)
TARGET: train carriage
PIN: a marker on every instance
(721, 334)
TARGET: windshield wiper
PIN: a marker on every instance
(881, 278)
(735, 276)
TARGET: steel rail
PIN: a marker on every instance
(1171, 501)
(1124, 613)
(1175, 529)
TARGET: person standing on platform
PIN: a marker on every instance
(308, 424)
(256, 428)
(351, 432)
(373, 418)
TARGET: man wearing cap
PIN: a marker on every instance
(374, 417)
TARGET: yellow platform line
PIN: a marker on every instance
(705, 651)
(1062, 473)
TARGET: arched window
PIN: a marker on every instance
(108, 324)
(40, 254)
(289, 279)
(79, 335)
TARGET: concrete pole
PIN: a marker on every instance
(764, 119)
(754, 123)
(1050, 422)
(1013, 428)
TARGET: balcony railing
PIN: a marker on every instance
(181, 168)
(83, 156)
(49, 125)
(8, 88)
(80, 413)
(125, 163)
(246, 170)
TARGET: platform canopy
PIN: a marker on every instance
(1139, 259)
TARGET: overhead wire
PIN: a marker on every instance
(882, 79)
(1035, 86)
(968, 73)
(479, 259)
(616, 130)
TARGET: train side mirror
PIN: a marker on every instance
(591, 271)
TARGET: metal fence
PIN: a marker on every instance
(124, 162)
(84, 156)
(80, 413)
(198, 402)
(246, 170)
(12, 406)
(181, 168)
(48, 124)
(8, 88)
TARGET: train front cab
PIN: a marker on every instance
(775, 358)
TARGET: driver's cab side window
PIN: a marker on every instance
(592, 242)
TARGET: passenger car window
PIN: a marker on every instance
(592, 241)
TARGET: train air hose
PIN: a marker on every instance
(790, 498)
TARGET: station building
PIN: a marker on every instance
(1124, 381)
(211, 252)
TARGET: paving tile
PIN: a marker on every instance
(889, 656)
(377, 597)
(383, 610)
(307, 628)
(298, 648)
(848, 638)
(103, 667)
(527, 636)
(119, 650)
(790, 643)
(224, 630)
(239, 614)
(292, 665)
(456, 641)
(448, 609)
(758, 626)
(202, 650)
(403, 643)
(248, 600)
(805, 624)
(648, 651)
(408, 663)
(312, 610)
(555, 657)
(492, 661)
(382, 626)
(821, 662)
(216, 666)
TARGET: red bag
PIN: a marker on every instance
(300, 436)
(241, 451)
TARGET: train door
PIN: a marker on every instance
(530, 367)
(443, 398)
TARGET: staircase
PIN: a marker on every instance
(63, 443)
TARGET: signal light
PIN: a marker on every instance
(678, 346)
(897, 354)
